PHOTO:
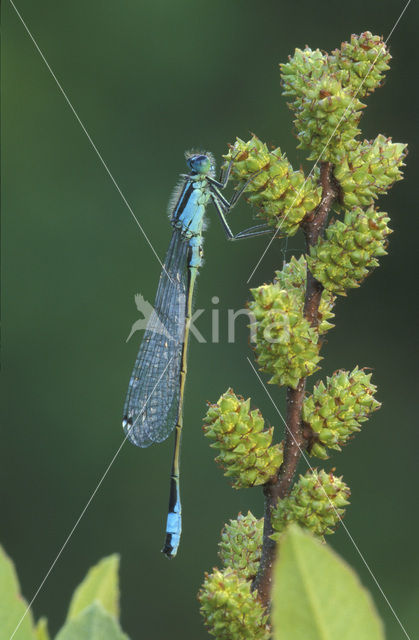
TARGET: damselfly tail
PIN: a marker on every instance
(174, 515)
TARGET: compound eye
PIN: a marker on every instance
(189, 162)
(199, 163)
(202, 164)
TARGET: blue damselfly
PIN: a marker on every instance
(154, 403)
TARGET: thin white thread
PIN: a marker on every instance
(87, 504)
(331, 503)
(88, 135)
(327, 143)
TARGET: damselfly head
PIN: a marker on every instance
(199, 163)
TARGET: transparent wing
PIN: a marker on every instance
(152, 401)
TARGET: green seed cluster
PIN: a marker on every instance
(281, 195)
(362, 63)
(241, 545)
(369, 170)
(231, 610)
(246, 451)
(325, 91)
(305, 68)
(316, 502)
(327, 121)
(342, 259)
(324, 109)
(335, 410)
(287, 347)
(294, 276)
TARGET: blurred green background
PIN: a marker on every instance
(149, 79)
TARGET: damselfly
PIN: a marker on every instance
(154, 403)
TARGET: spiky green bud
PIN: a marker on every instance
(305, 68)
(316, 502)
(241, 545)
(246, 451)
(342, 259)
(327, 113)
(281, 195)
(336, 410)
(327, 121)
(369, 170)
(325, 91)
(231, 610)
(287, 347)
(363, 62)
(293, 276)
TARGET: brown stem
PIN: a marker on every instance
(313, 226)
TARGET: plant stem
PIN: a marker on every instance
(313, 226)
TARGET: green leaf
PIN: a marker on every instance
(12, 606)
(100, 585)
(41, 631)
(317, 596)
(93, 623)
